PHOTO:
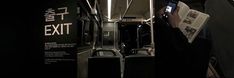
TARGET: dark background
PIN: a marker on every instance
(21, 43)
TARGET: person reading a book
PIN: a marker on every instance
(176, 56)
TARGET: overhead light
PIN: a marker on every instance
(109, 8)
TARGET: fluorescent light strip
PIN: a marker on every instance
(89, 4)
(109, 8)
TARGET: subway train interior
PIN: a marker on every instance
(121, 43)
(122, 39)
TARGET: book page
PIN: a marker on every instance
(193, 23)
(183, 9)
(200, 20)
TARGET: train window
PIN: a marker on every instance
(135, 35)
(89, 31)
(144, 35)
(86, 33)
(84, 29)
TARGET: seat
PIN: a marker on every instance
(138, 66)
(104, 66)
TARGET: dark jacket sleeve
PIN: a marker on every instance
(171, 50)
(168, 38)
(173, 53)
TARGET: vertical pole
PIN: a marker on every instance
(151, 23)
(102, 34)
(114, 34)
(138, 37)
(127, 4)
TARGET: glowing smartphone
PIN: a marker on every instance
(171, 6)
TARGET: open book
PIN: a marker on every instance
(192, 21)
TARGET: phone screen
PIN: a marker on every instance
(171, 7)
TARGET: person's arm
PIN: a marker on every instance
(174, 18)
(167, 34)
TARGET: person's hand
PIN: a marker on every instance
(161, 12)
(174, 19)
